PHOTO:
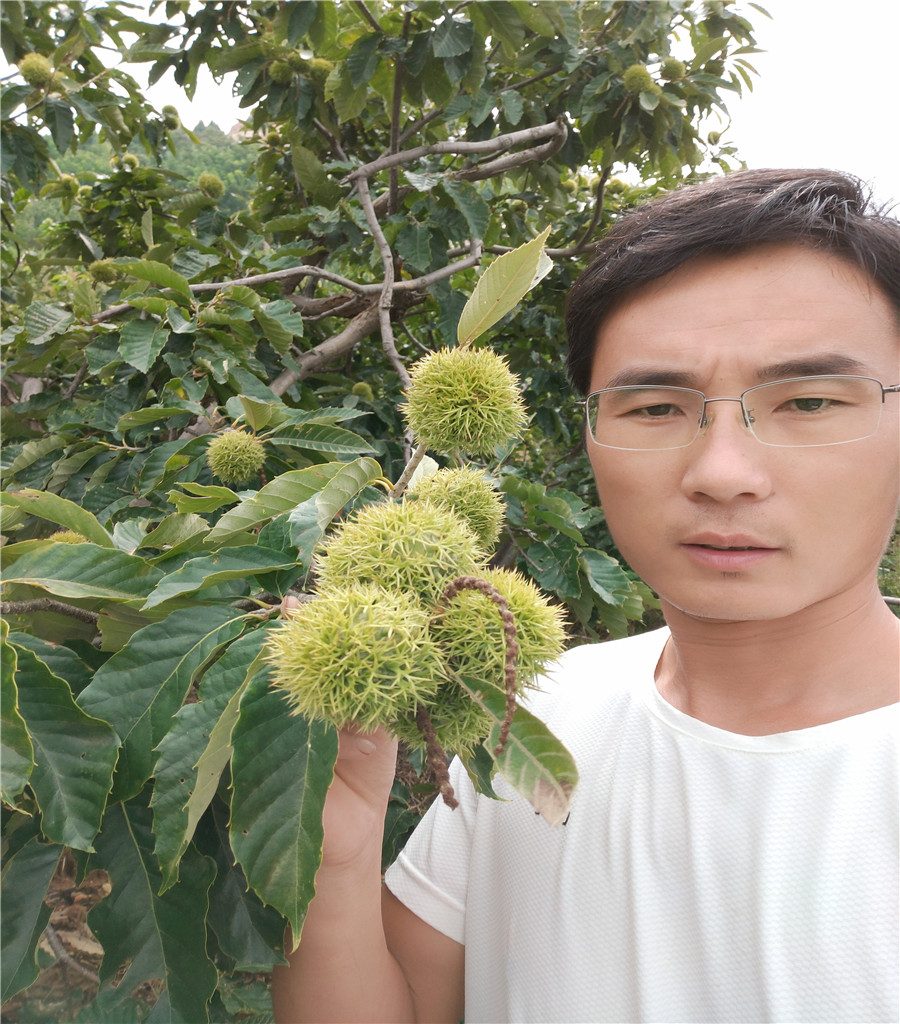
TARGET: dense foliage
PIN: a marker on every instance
(397, 147)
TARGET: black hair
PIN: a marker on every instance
(822, 209)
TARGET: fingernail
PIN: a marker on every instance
(364, 746)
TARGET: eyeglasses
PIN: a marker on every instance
(801, 412)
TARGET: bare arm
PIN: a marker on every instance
(363, 955)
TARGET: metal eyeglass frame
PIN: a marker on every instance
(703, 422)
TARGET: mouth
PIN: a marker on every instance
(727, 554)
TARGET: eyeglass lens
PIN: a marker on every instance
(802, 412)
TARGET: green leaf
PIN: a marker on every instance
(141, 342)
(281, 495)
(468, 201)
(513, 107)
(158, 937)
(649, 101)
(43, 322)
(195, 751)
(362, 60)
(202, 498)
(61, 511)
(604, 575)
(143, 685)
(256, 413)
(281, 769)
(533, 762)
(156, 273)
(85, 571)
(248, 931)
(321, 437)
(23, 884)
(311, 518)
(501, 287)
(452, 37)
(178, 532)
(74, 754)
(413, 245)
(60, 121)
(16, 748)
(208, 570)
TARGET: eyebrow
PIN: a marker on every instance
(806, 366)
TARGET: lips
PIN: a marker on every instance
(731, 553)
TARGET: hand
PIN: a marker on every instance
(353, 818)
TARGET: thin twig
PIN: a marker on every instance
(47, 604)
(399, 488)
(77, 380)
(367, 14)
(385, 302)
(498, 144)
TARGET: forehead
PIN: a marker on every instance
(770, 304)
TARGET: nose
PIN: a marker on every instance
(726, 462)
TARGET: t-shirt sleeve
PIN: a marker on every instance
(431, 874)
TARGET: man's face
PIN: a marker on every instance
(816, 519)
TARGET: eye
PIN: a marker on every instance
(811, 404)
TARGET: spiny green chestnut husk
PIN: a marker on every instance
(407, 546)
(464, 399)
(356, 654)
(36, 69)
(468, 494)
(470, 636)
(235, 456)
(637, 79)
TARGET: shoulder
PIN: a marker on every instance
(595, 688)
(592, 674)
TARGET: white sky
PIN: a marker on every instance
(826, 95)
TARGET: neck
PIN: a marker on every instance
(828, 662)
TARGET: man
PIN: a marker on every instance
(731, 853)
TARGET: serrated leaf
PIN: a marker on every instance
(321, 437)
(85, 571)
(16, 748)
(202, 497)
(362, 60)
(281, 495)
(156, 273)
(158, 937)
(413, 245)
(60, 121)
(534, 762)
(195, 751)
(248, 931)
(505, 282)
(468, 201)
(43, 322)
(311, 518)
(178, 532)
(452, 37)
(256, 413)
(141, 342)
(25, 881)
(140, 417)
(281, 769)
(61, 661)
(605, 575)
(74, 755)
(143, 685)
(53, 508)
(208, 570)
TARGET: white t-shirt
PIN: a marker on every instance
(703, 875)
